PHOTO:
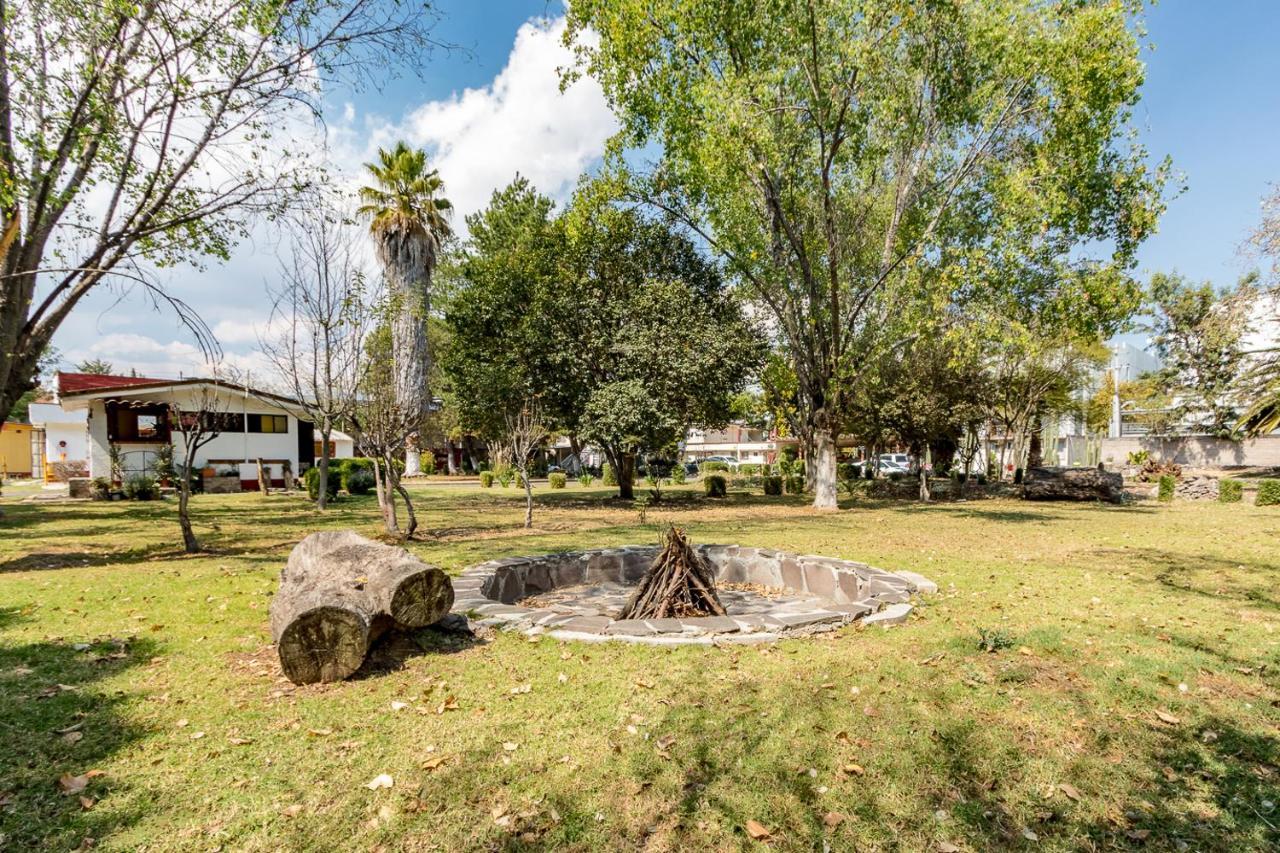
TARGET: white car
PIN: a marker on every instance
(727, 460)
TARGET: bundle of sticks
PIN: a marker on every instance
(678, 583)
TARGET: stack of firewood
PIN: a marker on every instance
(678, 584)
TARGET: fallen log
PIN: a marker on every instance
(1073, 484)
(339, 592)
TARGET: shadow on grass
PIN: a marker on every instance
(54, 721)
(1201, 575)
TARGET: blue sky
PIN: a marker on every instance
(493, 108)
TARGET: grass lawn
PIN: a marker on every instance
(1136, 703)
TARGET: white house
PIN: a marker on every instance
(64, 445)
(137, 415)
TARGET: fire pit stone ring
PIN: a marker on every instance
(769, 595)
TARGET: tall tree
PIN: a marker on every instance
(95, 365)
(1198, 333)
(408, 219)
(137, 135)
(825, 150)
(319, 321)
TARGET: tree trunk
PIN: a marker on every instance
(322, 497)
(189, 542)
(386, 500)
(824, 483)
(339, 592)
(576, 449)
(450, 464)
(922, 463)
(626, 465)
(408, 507)
(810, 468)
(264, 482)
(528, 498)
(1073, 484)
(412, 457)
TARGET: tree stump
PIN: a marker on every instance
(339, 592)
(1073, 484)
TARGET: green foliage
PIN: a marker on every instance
(101, 488)
(1268, 492)
(677, 474)
(641, 505)
(994, 639)
(772, 484)
(518, 478)
(1168, 483)
(749, 469)
(794, 484)
(359, 481)
(895, 476)
(351, 465)
(427, 462)
(505, 476)
(140, 487)
(715, 486)
(607, 476)
(311, 479)
(1138, 457)
(162, 466)
(708, 467)
(557, 480)
(1230, 491)
(486, 479)
(586, 479)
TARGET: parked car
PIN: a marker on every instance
(728, 460)
(691, 469)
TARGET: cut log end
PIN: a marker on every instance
(323, 644)
(422, 599)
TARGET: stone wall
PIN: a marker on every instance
(1197, 451)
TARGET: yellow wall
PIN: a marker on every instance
(15, 449)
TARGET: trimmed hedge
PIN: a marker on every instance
(677, 475)
(607, 476)
(794, 484)
(749, 469)
(347, 467)
(360, 482)
(486, 479)
(1168, 483)
(715, 486)
(773, 485)
(706, 467)
(557, 480)
(1268, 493)
(1230, 491)
(312, 481)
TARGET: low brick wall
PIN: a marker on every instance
(1196, 451)
(222, 485)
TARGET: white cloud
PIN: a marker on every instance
(479, 139)
(521, 122)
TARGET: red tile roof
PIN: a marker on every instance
(77, 383)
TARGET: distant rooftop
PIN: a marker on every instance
(78, 383)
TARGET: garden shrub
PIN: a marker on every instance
(557, 480)
(1230, 491)
(708, 467)
(1268, 492)
(140, 487)
(895, 476)
(586, 479)
(677, 475)
(797, 468)
(360, 482)
(982, 479)
(794, 484)
(486, 479)
(715, 486)
(519, 479)
(427, 462)
(607, 476)
(1017, 477)
(504, 478)
(1168, 483)
(347, 467)
(749, 469)
(848, 471)
(773, 485)
(101, 488)
(311, 479)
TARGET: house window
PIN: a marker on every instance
(269, 423)
(137, 423)
(215, 422)
(333, 449)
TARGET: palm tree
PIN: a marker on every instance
(409, 222)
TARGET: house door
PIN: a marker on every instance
(306, 444)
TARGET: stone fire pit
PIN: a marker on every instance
(768, 594)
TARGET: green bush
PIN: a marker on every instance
(504, 478)
(794, 484)
(895, 476)
(710, 467)
(486, 479)
(557, 480)
(360, 482)
(677, 474)
(140, 487)
(607, 476)
(1230, 491)
(848, 471)
(518, 478)
(586, 479)
(797, 468)
(773, 485)
(715, 485)
(1268, 493)
(311, 479)
(749, 469)
(427, 462)
(982, 479)
(347, 467)
(1168, 483)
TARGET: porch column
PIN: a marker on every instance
(99, 445)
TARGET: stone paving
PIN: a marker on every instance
(578, 595)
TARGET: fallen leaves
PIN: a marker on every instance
(1167, 718)
(853, 770)
(520, 689)
(1070, 791)
(833, 819)
(75, 784)
(382, 780)
(434, 761)
(291, 811)
(510, 747)
(757, 831)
